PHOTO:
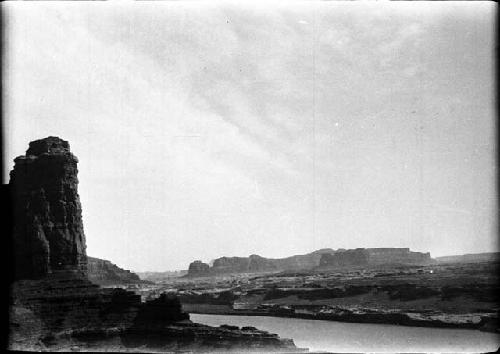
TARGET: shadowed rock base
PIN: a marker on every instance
(61, 313)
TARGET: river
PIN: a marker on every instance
(340, 337)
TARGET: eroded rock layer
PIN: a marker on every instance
(48, 229)
(198, 269)
(374, 256)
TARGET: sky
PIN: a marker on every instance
(221, 129)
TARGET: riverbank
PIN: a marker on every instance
(462, 296)
(476, 321)
(341, 337)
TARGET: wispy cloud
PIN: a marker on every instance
(311, 123)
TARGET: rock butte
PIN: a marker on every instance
(54, 306)
(48, 228)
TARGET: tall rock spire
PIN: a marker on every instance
(48, 229)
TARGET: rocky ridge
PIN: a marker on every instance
(362, 257)
(470, 258)
(161, 276)
(323, 258)
(256, 263)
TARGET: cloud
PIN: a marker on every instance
(269, 122)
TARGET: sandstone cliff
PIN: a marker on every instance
(103, 272)
(48, 229)
(323, 258)
(374, 256)
(161, 276)
(54, 306)
(198, 269)
(256, 263)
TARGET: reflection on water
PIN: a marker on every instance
(354, 337)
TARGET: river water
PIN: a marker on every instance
(353, 337)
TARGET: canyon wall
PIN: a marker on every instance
(374, 256)
(256, 263)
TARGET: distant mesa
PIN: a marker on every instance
(255, 264)
(317, 260)
(198, 269)
(471, 258)
(374, 256)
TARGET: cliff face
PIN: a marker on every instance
(346, 258)
(303, 262)
(48, 232)
(103, 272)
(48, 229)
(54, 306)
(230, 264)
(256, 263)
(323, 258)
(374, 256)
(198, 269)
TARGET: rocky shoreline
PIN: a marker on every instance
(461, 296)
(487, 323)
